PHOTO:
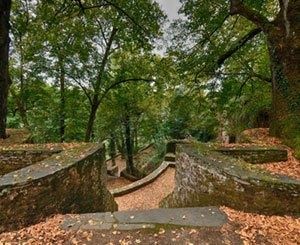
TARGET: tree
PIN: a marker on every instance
(123, 23)
(133, 114)
(5, 7)
(217, 26)
(116, 30)
(283, 40)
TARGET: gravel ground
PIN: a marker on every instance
(148, 197)
(114, 183)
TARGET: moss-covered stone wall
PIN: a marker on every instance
(205, 177)
(256, 154)
(72, 181)
(12, 160)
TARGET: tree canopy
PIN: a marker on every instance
(81, 70)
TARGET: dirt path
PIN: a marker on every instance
(148, 197)
(113, 183)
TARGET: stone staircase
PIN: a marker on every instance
(147, 219)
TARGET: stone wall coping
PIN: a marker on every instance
(32, 150)
(256, 154)
(234, 167)
(49, 166)
(142, 182)
(251, 148)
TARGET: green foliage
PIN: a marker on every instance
(68, 62)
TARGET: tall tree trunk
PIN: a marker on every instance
(5, 81)
(91, 121)
(120, 143)
(284, 49)
(135, 137)
(128, 144)
(95, 101)
(62, 114)
(112, 148)
(21, 103)
(283, 36)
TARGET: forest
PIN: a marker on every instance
(125, 74)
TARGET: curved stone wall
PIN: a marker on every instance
(205, 177)
(14, 159)
(72, 181)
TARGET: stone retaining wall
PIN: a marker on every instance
(72, 181)
(12, 160)
(256, 154)
(205, 177)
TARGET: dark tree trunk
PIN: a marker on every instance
(112, 148)
(128, 144)
(62, 116)
(95, 101)
(284, 49)
(90, 124)
(5, 6)
(21, 102)
(136, 147)
(120, 143)
(283, 36)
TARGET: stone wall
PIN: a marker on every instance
(72, 181)
(256, 154)
(205, 177)
(12, 160)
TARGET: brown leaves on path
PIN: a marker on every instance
(255, 227)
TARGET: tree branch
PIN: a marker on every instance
(127, 15)
(119, 9)
(84, 89)
(250, 35)
(249, 74)
(105, 58)
(102, 31)
(238, 7)
(241, 89)
(107, 90)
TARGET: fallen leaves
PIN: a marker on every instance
(274, 229)
(47, 232)
(260, 136)
(161, 231)
(289, 168)
(141, 200)
(42, 233)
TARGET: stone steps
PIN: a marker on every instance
(147, 219)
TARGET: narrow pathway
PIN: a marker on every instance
(148, 197)
(113, 183)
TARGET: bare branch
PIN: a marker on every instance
(119, 9)
(238, 7)
(116, 84)
(102, 31)
(104, 60)
(84, 89)
(250, 35)
(128, 16)
(241, 88)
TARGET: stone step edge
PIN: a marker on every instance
(144, 181)
(210, 216)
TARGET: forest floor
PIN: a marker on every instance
(260, 136)
(242, 228)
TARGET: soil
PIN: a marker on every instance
(149, 196)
